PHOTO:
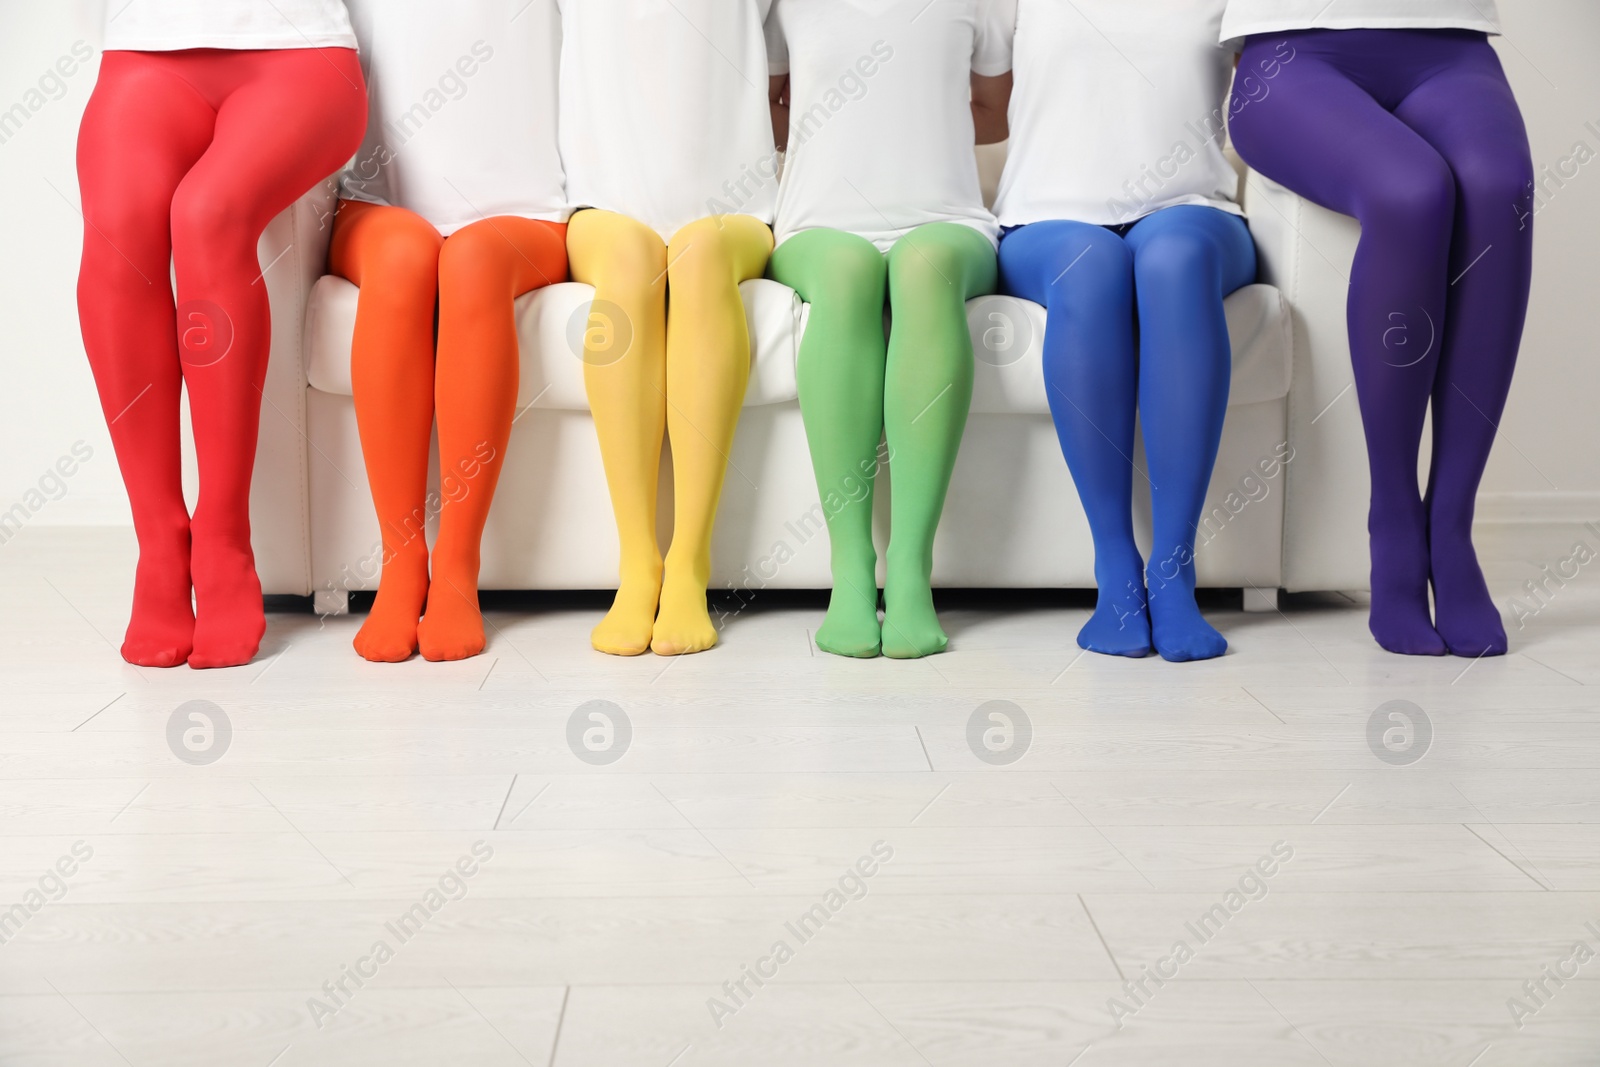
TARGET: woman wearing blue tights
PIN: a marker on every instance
(1120, 220)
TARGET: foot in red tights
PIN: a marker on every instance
(229, 616)
(161, 630)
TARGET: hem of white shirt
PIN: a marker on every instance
(246, 43)
(449, 227)
(661, 229)
(1399, 22)
(883, 240)
(1091, 218)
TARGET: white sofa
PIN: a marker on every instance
(1012, 519)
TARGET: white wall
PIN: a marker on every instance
(47, 398)
(1545, 463)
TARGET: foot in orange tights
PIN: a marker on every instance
(453, 625)
(390, 633)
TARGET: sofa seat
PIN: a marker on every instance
(1012, 517)
(1008, 336)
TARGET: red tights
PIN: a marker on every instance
(183, 160)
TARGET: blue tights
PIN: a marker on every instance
(1162, 281)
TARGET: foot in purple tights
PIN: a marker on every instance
(1468, 620)
(1399, 618)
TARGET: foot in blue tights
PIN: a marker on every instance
(1120, 625)
(1180, 632)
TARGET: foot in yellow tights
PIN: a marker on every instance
(649, 376)
(684, 625)
(627, 627)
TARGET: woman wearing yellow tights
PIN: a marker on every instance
(666, 134)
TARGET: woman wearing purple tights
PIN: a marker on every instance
(1407, 123)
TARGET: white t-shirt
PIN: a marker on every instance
(1246, 17)
(664, 112)
(1119, 110)
(462, 122)
(880, 124)
(172, 25)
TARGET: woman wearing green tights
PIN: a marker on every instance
(880, 201)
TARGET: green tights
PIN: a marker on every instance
(914, 391)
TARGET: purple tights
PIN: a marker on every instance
(1416, 134)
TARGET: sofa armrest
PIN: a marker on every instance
(1306, 252)
(294, 254)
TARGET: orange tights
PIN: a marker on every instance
(403, 267)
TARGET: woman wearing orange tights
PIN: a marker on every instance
(466, 215)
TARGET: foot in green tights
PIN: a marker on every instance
(851, 625)
(856, 390)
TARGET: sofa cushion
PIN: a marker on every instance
(1007, 338)
(550, 324)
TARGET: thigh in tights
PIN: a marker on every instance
(1416, 134)
(1167, 276)
(183, 159)
(648, 374)
(402, 266)
(913, 393)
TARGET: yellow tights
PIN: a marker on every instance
(647, 374)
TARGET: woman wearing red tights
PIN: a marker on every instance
(208, 119)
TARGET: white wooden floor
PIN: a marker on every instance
(218, 898)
